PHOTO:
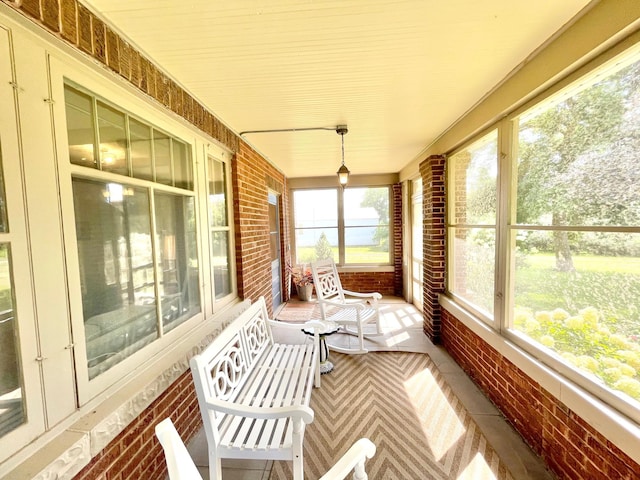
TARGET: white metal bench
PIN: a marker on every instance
(254, 393)
(353, 310)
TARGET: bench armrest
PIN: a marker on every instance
(354, 458)
(372, 295)
(352, 305)
(297, 412)
(314, 325)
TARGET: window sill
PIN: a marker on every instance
(617, 428)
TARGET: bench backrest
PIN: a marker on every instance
(221, 369)
(327, 280)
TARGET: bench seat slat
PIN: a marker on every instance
(292, 391)
(284, 378)
(267, 379)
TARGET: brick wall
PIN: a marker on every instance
(136, 452)
(76, 25)
(253, 177)
(432, 171)
(382, 282)
(569, 445)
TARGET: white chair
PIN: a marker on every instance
(179, 462)
(181, 466)
(353, 310)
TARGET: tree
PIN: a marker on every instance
(323, 248)
(378, 199)
(556, 145)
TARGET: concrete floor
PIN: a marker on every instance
(402, 324)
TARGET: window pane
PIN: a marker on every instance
(315, 208)
(366, 218)
(217, 194)
(182, 161)
(472, 176)
(113, 140)
(80, 128)
(140, 135)
(12, 410)
(178, 283)
(367, 244)
(116, 270)
(220, 260)
(589, 314)
(162, 157)
(473, 266)
(316, 244)
(316, 224)
(578, 157)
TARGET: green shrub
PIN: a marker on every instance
(588, 342)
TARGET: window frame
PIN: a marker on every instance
(217, 155)
(88, 390)
(341, 228)
(573, 84)
(452, 225)
(581, 386)
(27, 344)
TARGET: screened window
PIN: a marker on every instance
(351, 225)
(417, 253)
(472, 180)
(316, 224)
(576, 232)
(12, 408)
(136, 241)
(220, 230)
(366, 225)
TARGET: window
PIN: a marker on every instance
(136, 240)
(472, 177)
(576, 229)
(12, 405)
(105, 138)
(351, 225)
(417, 253)
(366, 225)
(219, 229)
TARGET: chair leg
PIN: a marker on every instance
(215, 468)
(361, 336)
(298, 461)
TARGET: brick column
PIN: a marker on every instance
(432, 171)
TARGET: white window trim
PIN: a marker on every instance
(22, 288)
(493, 321)
(220, 155)
(340, 226)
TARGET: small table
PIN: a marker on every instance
(329, 329)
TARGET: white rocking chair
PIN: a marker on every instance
(335, 305)
(181, 465)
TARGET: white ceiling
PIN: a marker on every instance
(397, 72)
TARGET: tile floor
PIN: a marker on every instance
(402, 324)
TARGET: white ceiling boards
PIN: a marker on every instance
(397, 73)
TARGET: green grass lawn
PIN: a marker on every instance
(610, 284)
(371, 255)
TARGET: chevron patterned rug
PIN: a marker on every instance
(400, 402)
